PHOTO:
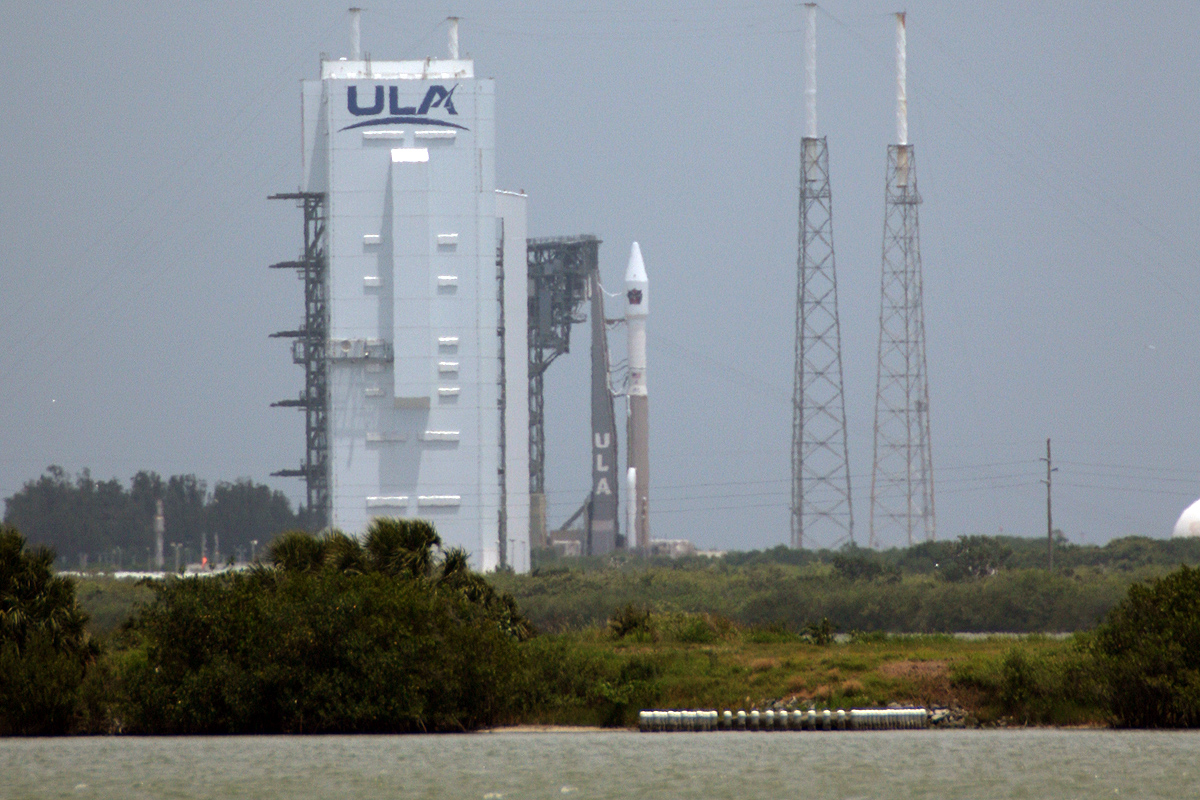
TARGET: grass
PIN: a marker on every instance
(992, 679)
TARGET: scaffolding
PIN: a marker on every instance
(309, 350)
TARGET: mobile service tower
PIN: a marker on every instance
(416, 394)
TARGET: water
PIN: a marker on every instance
(583, 765)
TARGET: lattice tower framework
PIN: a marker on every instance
(902, 496)
(821, 501)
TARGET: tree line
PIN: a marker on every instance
(971, 584)
(967, 557)
(91, 522)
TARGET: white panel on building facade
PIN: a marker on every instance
(383, 437)
(442, 500)
(410, 155)
(440, 436)
(399, 501)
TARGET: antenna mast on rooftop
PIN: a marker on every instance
(820, 458)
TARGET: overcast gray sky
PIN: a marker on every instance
(1056, 154)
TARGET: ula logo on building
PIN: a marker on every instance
(436, 97)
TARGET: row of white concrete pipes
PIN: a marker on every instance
(857, 719)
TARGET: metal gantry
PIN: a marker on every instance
(902, 474)
(309, 350)
(558, 270)
(821, 503)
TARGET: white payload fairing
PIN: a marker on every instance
(637, 306)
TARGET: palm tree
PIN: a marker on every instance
(455, 565)
(402, 547)
(44, 649)
(34, 600)
(344, 553)
(297, 551)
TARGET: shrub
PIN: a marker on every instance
(1148, 649)
(694, 629)
(975, 557)
(1036, 682)
(631, 621)
(335, 638)
(820, 633)
(298, 653)
(44, 649)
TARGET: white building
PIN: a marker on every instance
(428, 374)
(1188, 523)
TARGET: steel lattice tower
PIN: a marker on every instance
(902, 474)
(820, 456)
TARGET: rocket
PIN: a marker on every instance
(637, 305)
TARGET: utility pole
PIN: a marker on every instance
(1050, 470)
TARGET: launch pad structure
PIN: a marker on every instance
(419, 281)
(416, 390)
(564, 274)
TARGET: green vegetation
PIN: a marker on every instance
(1139, 669)
(101, 523)
(599, 676)
(109, 603)
(975, 584)
(337, 637)
(393, 634)
(1148, 654)
(1036, 681)
(1013, 601)
(45, 652)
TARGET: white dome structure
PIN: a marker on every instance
(1188, 523)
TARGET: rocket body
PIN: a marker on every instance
(637, 306)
